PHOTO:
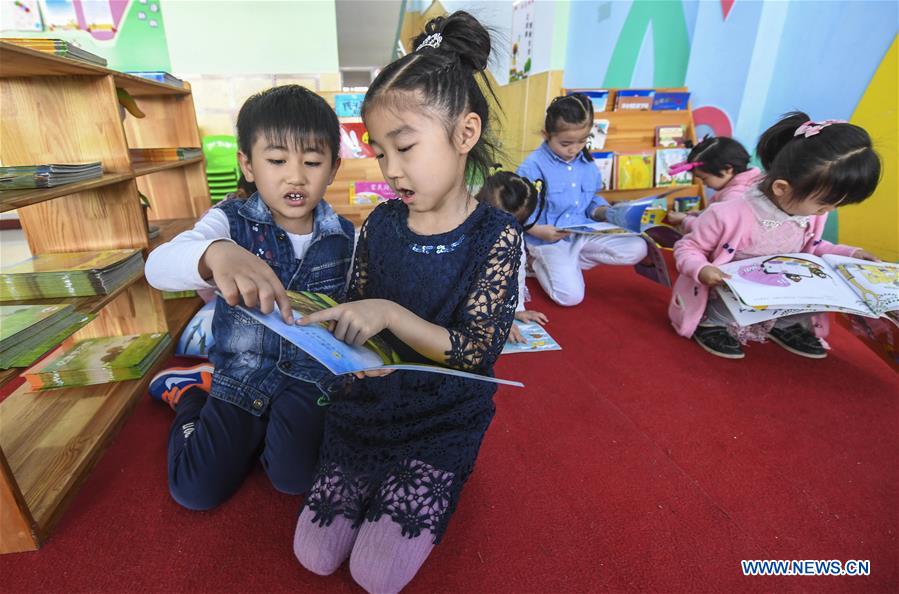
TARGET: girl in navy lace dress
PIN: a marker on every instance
(436, 270)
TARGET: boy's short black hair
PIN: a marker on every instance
(718, 153)
(289, 115)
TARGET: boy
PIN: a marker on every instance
(266, 396)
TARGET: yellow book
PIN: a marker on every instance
(633, 171)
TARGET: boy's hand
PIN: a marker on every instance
(864, 255)
(600, 213)
(531, 316)
(712, 276)
(548, 233)
(675, 218)
(239, 275)
(354, 322)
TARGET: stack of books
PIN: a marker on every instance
(99, 361)
(57, 47)
(29, 331)
(74, 274)
(47, 176)
(159, 76)
(147, 155)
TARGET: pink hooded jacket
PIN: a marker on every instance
(720, 232)
(736, 187)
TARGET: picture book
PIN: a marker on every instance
(665, 158)
(670, 136)
(180, 153)
(354, 141)
(633, 171)
(538, 339)
(670, 101)
(605, 162)
(687, 203)
(634, 99)
(629, 214)
(597, 228)
(348, 105)
(598, 134)
(72, 274)
(599, 97)
(366, 192)
(47, 176)
(99, 361)
(32, 343)
(196, 338)
(770, 287)
(339, 357)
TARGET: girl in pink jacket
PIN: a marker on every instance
(722, 164)
(812, 168)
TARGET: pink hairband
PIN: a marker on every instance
(685, 166)
(811, 128)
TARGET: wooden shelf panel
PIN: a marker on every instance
(13, 199)
(152, 167)
(168, 229)
(18, 61)
(355, 213)
(52, 439)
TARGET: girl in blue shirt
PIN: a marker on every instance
(573, 181)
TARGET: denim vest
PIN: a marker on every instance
(251, 360)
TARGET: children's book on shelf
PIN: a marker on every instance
(366, 192)
(536, 337)
(633, 170)
(348, 105)
(181, 153)
(605, 162)
(70, 274)
(667, 157)
(670, 101)
(598, 134)
(670, 136)
(159, 76)
(57, 47)
(686, 203)
(354, 141)
(196, 339)
(634, 99)
(599, 97)
(99, 361)
(339, 357)
(47, 176)
(29, 331)
(770, 287)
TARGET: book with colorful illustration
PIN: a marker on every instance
(633, 171)
(670, 101)
(770, 287)
(670, 136)
(348, 105)
(99, 361)
(665, 158)
(70, 274)
(367, 192)
(634, 99)
(605, 162)
(598, 134)
(536, 337)
(354, 141)
(339, 357)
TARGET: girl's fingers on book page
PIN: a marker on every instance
(248, 291)
(284, 305)
(228, 288)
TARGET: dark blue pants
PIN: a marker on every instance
(213, 445)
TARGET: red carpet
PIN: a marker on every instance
(632, 461)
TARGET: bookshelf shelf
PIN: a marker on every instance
(152, 167)
(13, 199)
(65, 111)
(168, 229)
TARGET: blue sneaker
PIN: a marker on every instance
(170, 384)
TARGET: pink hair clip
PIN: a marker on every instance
(684, 166)
(811, 128)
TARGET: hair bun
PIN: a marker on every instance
(462, 35)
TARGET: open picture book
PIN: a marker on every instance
(770, 287)
(339, 357)
(536, 339)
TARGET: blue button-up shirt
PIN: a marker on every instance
(571, 188)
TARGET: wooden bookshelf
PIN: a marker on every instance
(59, 110)
(632, 131)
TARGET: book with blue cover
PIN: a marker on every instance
(536, 337)
(670, 101)
(599, 97)
(158, 76)
(348, 105)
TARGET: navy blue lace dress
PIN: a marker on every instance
(403, 445)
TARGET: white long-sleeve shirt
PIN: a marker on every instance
(175, 265)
